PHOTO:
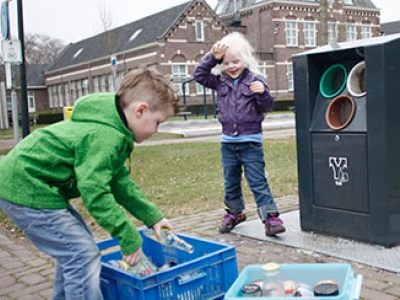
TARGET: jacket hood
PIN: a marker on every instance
(100, 109)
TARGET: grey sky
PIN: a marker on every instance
(74, 20)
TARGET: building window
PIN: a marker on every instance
(351, 32)
(309, 34)
(263, 72)
(103, 83)
(291, 33)
(60, 95)
(31, 101)
(200, 90)
(290, 77)
(111, 82)
(332, 33)
(78, 84)
(179, 74)
(77, 53)
(73, 91)
(199, 31)
(55, 96)
(85, 86)
(366, 31)
(96, 87)
(67, 95)
(135, 34)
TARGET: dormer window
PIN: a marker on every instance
(77, 53)
(135, 34)
(199, 31)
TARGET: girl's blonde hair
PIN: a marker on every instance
(239, 46)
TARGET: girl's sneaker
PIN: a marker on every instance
(273, 225)
(230, 221)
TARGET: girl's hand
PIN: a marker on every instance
(218, 50)
(257, 87)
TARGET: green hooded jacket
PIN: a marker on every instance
(84, 157)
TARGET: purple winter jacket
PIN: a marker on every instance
(240, 111)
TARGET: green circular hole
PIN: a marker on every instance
(333, 81)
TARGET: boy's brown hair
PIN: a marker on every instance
(149, 85)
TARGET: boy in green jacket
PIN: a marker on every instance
(86, 157)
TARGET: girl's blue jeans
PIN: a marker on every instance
(249, 157)
(64, 235)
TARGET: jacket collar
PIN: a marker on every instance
(244, 78)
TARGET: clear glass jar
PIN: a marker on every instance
(272, 283)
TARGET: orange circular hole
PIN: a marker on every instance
(340, 112)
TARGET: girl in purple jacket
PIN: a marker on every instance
(243, 98)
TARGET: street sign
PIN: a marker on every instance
(113, 61)
(12, 52)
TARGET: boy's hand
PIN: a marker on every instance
(133, 259)
(163, 223)
(257, 87)
(218, 50)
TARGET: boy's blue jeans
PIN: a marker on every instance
(64, 235)
(249, 157)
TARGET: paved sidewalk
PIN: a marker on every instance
(27, 274)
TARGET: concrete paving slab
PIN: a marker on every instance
(372, 255)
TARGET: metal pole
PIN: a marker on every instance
(205, 102)
(24, 100)
(214, 104)
(14, 108)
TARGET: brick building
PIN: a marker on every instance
(281, 28)
(174, 40)
(171, 41)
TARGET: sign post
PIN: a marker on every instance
(113, 64)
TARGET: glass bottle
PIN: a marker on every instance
(143, 268)
(169, 239)
(272, 284)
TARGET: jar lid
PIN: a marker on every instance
(270, 267)
(326, 288)
(251, 289)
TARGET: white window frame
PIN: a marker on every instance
(56, 102)
(366, 31)
(199, 27)
(96, 87)
(179, 74)
(73, 91)
(67, 94)
(309, 34)
(31, 101)
(290, 79)
(291, 34)
(351, 32)
(78, 84)
(263, 71)
(200, 90)
(103, 83)
(332, 32)
(135, 34)
(85, 86)
(60, 95)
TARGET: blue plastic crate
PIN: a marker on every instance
(349, 286)
(205, 274)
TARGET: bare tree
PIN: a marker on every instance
(41, 49)
(105, 19)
